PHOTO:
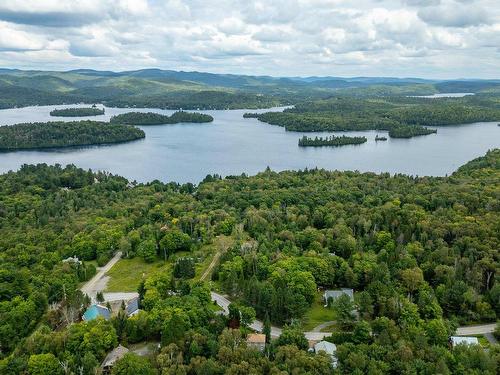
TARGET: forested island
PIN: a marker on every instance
(64, 134)
(330, 141)
(403, 117)
(420, 253)
(410, 131)
(77, 112)
(152, 118)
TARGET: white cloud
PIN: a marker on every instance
(279, 37)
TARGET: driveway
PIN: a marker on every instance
(98, 282)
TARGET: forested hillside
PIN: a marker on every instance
(420, 253)
(403, 117)
(167, 89)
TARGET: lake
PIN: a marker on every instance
(232, 145)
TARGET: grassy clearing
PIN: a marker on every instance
(483, 341)
(219, 245)
(317, 314)
(126, 275)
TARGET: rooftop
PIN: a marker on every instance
(95, 311)
(457, 340)
(256, 338)
(133, 306)
(325, 346)
(113, 356)
(334, 294)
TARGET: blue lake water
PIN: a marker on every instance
(232, 145)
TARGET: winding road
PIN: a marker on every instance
(257, 325)
(98, 283)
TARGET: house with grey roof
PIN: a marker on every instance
(329, 348)
(132, 307)
(112, 357)
(334, 294)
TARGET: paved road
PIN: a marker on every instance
(258, 326)
(94, 285)
(476, 330)
(119, 296)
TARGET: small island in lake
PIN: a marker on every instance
(410, 131)
(330, 141)
(379, 138)
(152, 118)
(251, 115)
(64, 134)
(77, 112)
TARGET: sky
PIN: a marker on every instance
(400, 38)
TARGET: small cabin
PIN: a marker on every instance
(257, 341)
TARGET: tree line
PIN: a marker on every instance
(421, 254)
(77, 112)
(402, 117)
(330, 141)
(152, 118)
(64, 134)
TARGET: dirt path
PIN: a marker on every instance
(322, 326)
(223, 244)
(96, 283)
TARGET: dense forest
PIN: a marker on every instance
(64, 134)
(421, 254)
(151, 118)
(77, 112)
(330, 141)
(403, 117)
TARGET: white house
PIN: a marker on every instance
(329, 348)
(334, 294)
(463, 340)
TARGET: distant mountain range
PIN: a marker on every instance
(179, 89)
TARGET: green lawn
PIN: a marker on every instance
(317, 314)
(126, 275)
(483, 341)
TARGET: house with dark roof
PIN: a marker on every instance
(334, 294)
(96, 311)
(132, 307)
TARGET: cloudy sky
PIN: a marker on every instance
(424, 38)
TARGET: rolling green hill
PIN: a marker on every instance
(170, 89)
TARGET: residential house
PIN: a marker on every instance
(463, 340)
(257, 341)
(132, 307)
(113, 356)
(95, 311)
(73, 259)
(329, 348)
(334, 294)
